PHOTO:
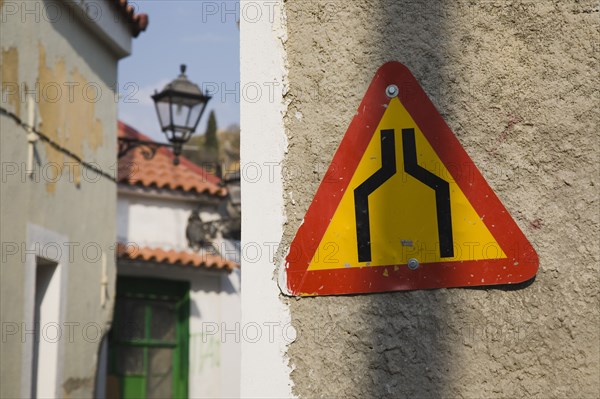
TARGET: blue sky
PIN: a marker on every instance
(201, 34)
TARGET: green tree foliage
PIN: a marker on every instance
(218, 151)
(210, 136)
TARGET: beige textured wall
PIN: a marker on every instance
(518, 84)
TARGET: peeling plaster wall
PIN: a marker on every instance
(69, 75)
(517, 82)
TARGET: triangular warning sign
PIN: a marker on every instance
(403, 207)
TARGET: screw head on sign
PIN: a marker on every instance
(391, 91)
(413, 264)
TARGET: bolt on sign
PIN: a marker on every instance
(403, 207)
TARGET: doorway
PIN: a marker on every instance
(148, 344)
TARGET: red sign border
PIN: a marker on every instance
(520, 265)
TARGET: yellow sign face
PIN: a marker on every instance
(403, 203)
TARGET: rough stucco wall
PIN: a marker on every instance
(518, 84)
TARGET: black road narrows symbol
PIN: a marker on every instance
(362, 192)
(442, 192)
(412, 168)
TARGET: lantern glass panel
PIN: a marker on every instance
(163, 111)
(195, 114)
(181, 112)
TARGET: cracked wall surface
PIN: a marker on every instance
(518, 84)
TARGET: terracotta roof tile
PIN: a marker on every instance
(172, 257)
(138, 22)
(159, 172)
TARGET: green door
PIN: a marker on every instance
(148, 355)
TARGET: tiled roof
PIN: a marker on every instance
(138, 22)
(159, 172)
(176, 258)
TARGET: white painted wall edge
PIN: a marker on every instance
(265, 371)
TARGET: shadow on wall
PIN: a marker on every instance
(410, 353)
(379, 345)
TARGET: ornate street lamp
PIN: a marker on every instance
(179, 106)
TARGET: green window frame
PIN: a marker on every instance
(141, 341)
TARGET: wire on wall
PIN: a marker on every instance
(56, 146)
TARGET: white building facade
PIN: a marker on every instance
(176, 331)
